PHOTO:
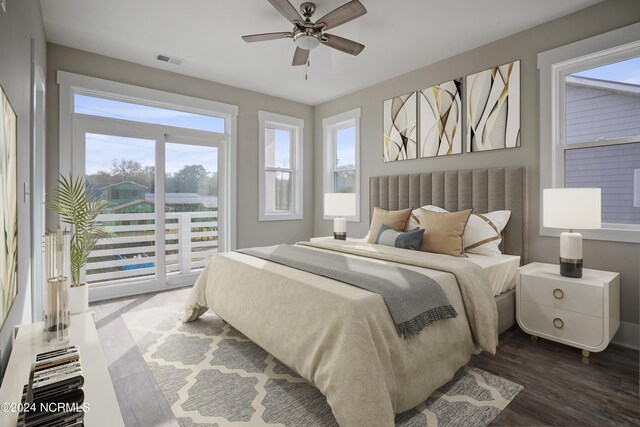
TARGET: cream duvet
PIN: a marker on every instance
(342, 338)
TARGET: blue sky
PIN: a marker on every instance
(345, 146)
(624, 71)
(141, 113)
(101, 150)
(283, 149)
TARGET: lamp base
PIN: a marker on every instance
(571, 254)
(340, 228)
(571, 267)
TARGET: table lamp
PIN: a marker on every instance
(340, 205)
(571, 208)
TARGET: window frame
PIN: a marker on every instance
(295, 126)
(72, 155)
(330, 127)
(554, 65)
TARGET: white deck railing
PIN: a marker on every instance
(190, 240)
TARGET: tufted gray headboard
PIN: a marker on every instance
(484, 190)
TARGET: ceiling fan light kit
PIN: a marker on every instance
(306, 41)
(308, 35)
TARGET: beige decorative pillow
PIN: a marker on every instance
(396, 220)
(482, 235)
(443, 231)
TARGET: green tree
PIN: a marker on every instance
(191, 179)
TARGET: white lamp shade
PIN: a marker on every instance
(572, 208)
(340, 204)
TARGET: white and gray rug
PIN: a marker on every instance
(212, 375)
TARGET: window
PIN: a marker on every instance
(590, 126)
(341, 155)
(165, 165)
(280, 139)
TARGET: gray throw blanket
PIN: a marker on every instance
(413, 299)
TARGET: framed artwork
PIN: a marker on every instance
(400, 128)
(8, 206)
(440, 125)
(493, 108)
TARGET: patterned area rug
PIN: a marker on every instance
(212, 375)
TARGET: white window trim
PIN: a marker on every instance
(296, 125)
(554, 65)
(329, 126)
(71, 83)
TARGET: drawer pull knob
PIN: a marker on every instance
(558, 323)
(558, 293)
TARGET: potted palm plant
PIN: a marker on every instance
(79, 208)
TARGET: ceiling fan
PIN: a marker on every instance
(308, 35)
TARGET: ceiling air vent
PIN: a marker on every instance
(169, 59)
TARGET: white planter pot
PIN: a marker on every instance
(79, 299)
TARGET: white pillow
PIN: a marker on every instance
(482, 233)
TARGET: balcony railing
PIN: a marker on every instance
(190, 240)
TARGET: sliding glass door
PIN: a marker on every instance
(121, 171)
(191, 204)
(162, 188)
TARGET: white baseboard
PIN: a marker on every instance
(628, 335)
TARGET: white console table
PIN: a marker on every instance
(98, 389)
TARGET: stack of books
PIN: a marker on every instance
(54, 397)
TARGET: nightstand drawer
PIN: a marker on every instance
(579, 329)
(562, 294)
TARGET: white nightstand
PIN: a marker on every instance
(583, 313)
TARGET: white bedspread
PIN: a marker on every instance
(342, 338)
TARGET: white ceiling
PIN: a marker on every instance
(400, 36)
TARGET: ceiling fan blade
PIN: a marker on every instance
(287, 10)
(266, 36)
(300, 56)
(345, 13)
(342, 44)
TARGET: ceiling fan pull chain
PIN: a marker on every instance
(306, 70)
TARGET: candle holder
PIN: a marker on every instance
(57, 315)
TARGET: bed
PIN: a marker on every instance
(341, 338)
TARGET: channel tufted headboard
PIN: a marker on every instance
(484, 190)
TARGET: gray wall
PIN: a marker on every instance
(250, 231)
(606, 16)
(21, 23)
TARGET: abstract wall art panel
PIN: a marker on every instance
(440, 125)
(8, 206)
(493, 108)
(400, 132)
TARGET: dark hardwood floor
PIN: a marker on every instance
(558, 388)
(561, 390)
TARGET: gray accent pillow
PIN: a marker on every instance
(404, 240)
